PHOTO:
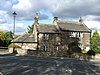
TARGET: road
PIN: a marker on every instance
(35, 65)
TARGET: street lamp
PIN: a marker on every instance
(14, 15)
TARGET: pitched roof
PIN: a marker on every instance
(25, 38)
(47, 28)
(73, 26)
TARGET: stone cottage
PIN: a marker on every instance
(54, 38)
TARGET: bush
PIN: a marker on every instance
(83, 51)
(15, 46)
(91, 52)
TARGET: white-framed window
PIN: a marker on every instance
(56, 48)
(78, 34)
(46, 36)
(74, 34)
(71, 34)
(45, 48)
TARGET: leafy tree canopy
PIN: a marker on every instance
(5, 38)
(2, 37)
(96, 42)
(8, 37)
(74, 47)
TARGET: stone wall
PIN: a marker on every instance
(58, 43)
(20, 51)
(32, 46)
(86, 41)
(55, 43)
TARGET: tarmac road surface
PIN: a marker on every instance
(35, 65)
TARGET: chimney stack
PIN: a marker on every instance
(81, 20)
(36, 18)
(55, 20)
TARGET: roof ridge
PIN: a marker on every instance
(64, 21)
(46, 24)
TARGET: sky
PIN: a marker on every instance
(69, 10)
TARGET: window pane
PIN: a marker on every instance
(45, 48)
(46, 36)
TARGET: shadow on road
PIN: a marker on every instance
(34, 65)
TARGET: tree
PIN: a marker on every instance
(30, 29)
(2, 38)
(74, 48)
(8, 38)
(1, 35)
(96, 42)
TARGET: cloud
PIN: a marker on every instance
(26, 9)
(64, 9)
(2, 20)
(2, 17)
(19, 28)
(6, 27)
(14, 1)
(72, 9)
(92, 18)
(5, 4)
(94, 25)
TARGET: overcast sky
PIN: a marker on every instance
(47, 9)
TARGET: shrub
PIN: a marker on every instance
(83, 51)
(90, 53)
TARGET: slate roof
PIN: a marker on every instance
(51, 28)
(73, 26)
(26, 38)
(47, 28)
(64, 26)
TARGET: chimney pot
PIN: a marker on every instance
(55, 18)
(81, 19)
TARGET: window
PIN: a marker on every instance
(56, 48)
(45, 48)
(78, 34)
(74, 34)
(71, 34)
(46, 36)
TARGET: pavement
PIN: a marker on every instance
(4, 52)
(36, 65)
